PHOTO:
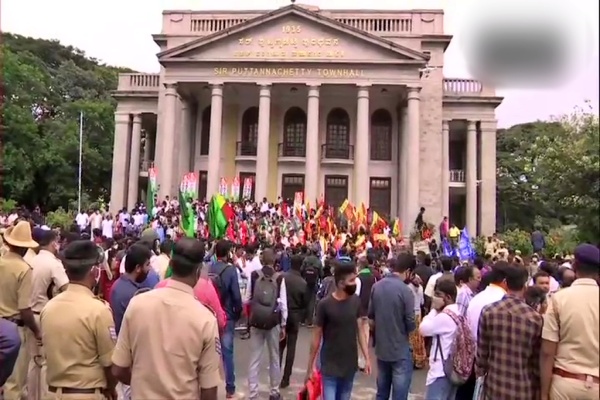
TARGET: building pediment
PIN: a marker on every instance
(293, 34)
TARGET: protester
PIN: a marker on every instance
(392, 311)
(338, 330)
(508, 354)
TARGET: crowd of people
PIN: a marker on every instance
(87, 310)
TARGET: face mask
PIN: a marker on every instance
(350, 289)
(437, 302)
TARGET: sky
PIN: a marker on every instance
(118, 32)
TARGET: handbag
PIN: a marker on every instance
(313, 388)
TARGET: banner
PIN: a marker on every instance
(247, 189)
(223, 187)
(298, 199)
(235, 189)
(152, 191)
(188, 193)
(190, 185)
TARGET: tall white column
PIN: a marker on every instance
(414, 158)
(445, 168)
(471, 178)
(134, 161)
(403, 164)
(166, 168)
(413, 148)
(214, 147)
(118, 184)
(361, 148)
(487, 205)
(185, 142)
(262, 145)
(311, 178)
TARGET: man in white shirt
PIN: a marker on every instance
(107, 226)
(441, 327)
(96, 220)
(82, 220)
(494, 292)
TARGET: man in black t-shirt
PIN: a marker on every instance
(337, 329)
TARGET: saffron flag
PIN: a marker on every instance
(218, 217)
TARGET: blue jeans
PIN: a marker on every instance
(394, 377)
(441, 389)
(335, 388)
(227, 351)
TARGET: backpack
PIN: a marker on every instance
(217, 281)
(264, 307)
(326, 287)
(459, 364)
(310, 275)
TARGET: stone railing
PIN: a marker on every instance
(385, 23)
(457, 175)
(466, 86)
(139, 82)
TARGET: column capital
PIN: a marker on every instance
(265, 90)
(171, 86)
(137, 119)
(216, 90)
(122, 118)
(313, 91)
(471, 126)
(413, 92)
(363, 91)
(446, 125)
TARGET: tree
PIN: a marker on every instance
(570, 164)
(522, 198)
(46, 86)
(548, 174)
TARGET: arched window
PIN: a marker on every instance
(294, 133)
(338, 134)
(247, 147)
(205, 132)
(381, 135)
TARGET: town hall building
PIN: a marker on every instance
(334, 103)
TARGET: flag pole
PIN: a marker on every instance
(80, 162)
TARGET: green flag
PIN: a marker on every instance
(217, 217)
(152, 191)
(188, 216)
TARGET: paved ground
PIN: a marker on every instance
(364, 386)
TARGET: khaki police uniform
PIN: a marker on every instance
(15, 294)
(572, 321)
(78, 333)
(48, 276)
(175, 352)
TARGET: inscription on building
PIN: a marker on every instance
(290, 45)
(328, 73)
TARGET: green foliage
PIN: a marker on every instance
(548, 175)
(561, 241)
(60, 218)
(46, 86)
(517, 239)
(7, 205)
(479, 244)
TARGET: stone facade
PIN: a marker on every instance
(345, 104)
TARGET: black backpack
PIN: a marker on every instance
(264, 307)
(310, 274)
(215, 278)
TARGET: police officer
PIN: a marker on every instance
(569, 360)
(15, 295)
(48, 278)
(78, 331)
(188, 358)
